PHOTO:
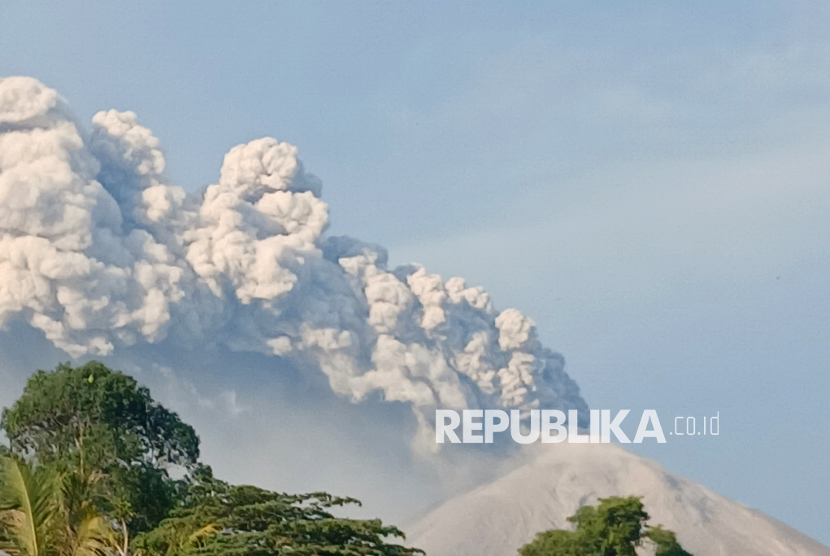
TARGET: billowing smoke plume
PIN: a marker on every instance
(98, 251)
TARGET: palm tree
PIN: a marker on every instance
(42, 514)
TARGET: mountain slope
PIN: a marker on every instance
(498, 518)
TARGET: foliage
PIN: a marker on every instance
(554, 543)
(616, 527)
(666, 542)
(90, 419)
(88, 463)
(29, 506)
(38, 517)
(220, 519)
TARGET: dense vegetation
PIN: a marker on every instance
(616, 527)
(95, 467)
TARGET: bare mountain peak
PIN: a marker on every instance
(497, 518)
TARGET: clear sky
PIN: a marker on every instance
(649, 182)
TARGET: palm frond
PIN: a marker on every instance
(30, 504)
(92, 537)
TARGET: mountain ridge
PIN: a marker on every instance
(497, 518)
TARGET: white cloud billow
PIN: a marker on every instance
(98, 251)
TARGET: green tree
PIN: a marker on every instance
(615, 527)
(220, 519)
(87, 473)
(666, 542)
(91, 420)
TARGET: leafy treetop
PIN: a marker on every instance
(97, 414)
(91, 420)
(220, 519)
(616, 527)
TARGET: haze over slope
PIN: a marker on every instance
(498, 518)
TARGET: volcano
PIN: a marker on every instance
(497, 518)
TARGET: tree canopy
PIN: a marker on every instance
(220, 519)
(615, 527)
(99, 417)
(90, 420)
(87, 472)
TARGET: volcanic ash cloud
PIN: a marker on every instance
(98, 250)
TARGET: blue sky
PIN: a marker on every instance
(650, 183)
